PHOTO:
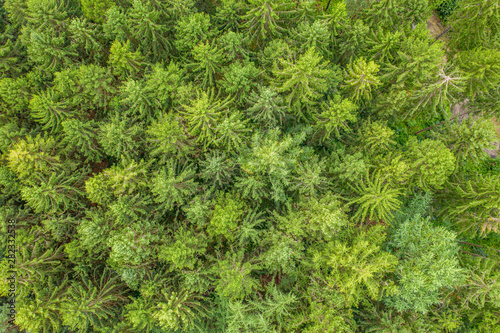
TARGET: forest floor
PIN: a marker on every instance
(436, 27)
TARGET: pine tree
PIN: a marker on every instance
(431, 161)
(83, 34)
(53, 194)
(133, 246)
(217, 170)
(353, 40)
(95, 10)
(305, 80)
(377, 136)
(173, 185)
(184, 250)
(161, 85)
(428, 264)
(262, 20)
(334, 116)
(356, 268)
(239, 80)
(119, 138)
(51, 110)
(376, 198)
(146, 27)
(310, 177)
(230, 132)
(191, 30)
(33, 155)
(14, 94)
(481, 70)
(313, 35)
(361, 79)
(486, 17)
(138, 103)
(266, 107)
(123, 61)
(441, 93)
(82, 137)
(127, 177)
(234, 46)
(270, 159)
(92, 304)
(474, 203)
(228, 14)
(41, 314)
(203, 114)
(469, 138)
(207, 58)
(227, 214)
(235, 280)
(168, 138)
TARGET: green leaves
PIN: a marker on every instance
(428, 264)
(202, 116)
(54, 194)
(227, 213)
(305, 80)
(173, 185)
(235, 280)
(207, 58)
(361, 79)
(432, 161)
(123, 61)
(334, 117)
(377, 199)
(356, 268)
(49, 109)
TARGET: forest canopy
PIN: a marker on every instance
(267, 166)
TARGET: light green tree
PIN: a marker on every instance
(361, 78)
(431, 161)
(428, 264)
(356, 268)
(334, 116)
(304, 80)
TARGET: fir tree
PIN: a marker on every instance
(303, 80)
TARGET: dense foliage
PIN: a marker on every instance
(249, 166)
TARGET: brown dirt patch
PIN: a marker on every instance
(435, 26)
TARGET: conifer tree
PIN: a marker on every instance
(271, 157)
(82, 137)
(428, 264)
(33, 156)
(91, 304)
(168, 137)
(266, 107)
(119, 138)
(173, 185)
(432, 162)
(95, 10)
(123, 61)
(203, 114)
(486, 17)
(355, 268)
(207, 58)
(361, 79)
(235, 281)
(191, 30)
(304, 81)
(474, 203)
(53, 194)
(481, 70)
(376, 198)
(262, 20)
(147, 28)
